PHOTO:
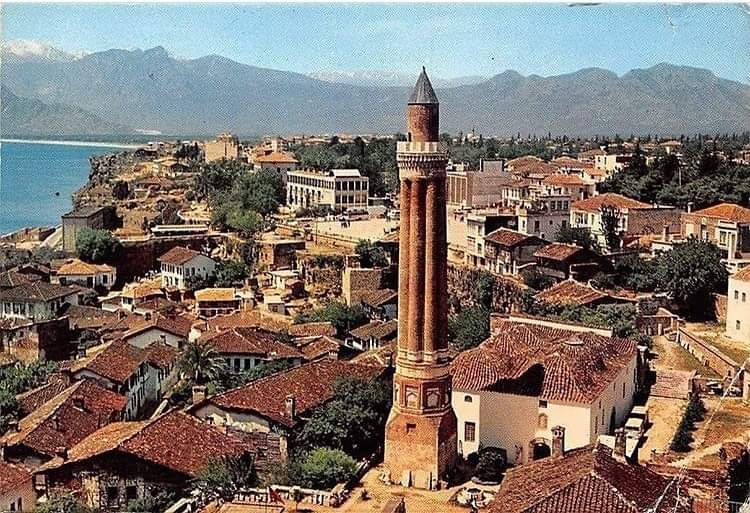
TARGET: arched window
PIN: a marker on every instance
(468, 399)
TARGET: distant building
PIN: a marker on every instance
(225, 147)
(281, 162)
(505, 250)
(727, 225)
(612, 163)
(244, 349)
(477, 188)
(216, 301)
(562, 261)
(178, 264)
(36, 301)
(93, 276)
(17, 492)
(339, 189)
(275, 253)
(96, 218)
(738, 306)
(636, 218)
(542, 374)
(373, 335)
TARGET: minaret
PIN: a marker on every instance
(420, 435)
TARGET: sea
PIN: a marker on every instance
(38, 179)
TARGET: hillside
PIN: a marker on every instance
(152, 90)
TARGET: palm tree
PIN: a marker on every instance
(201, 362)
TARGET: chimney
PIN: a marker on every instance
(620, 445)
(558, 441)
(78, 402)
(290, 405)
(199, 394)
(690, 206)
(62, 452)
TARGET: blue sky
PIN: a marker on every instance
(450, 39)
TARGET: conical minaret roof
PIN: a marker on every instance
(423, 91)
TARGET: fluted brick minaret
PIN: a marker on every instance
(420, 438)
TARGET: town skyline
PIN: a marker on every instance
(473, 41)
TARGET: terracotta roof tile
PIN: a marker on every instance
(558, 251)
(310, 384)
(169, 441)
(509, 238)
(248, 341)
(13, 475)
(178, 255)
(587, 480)
(35, 398)
(378, 297)
(560, 179)
(215, 294)
(277, 156)
(595, 203)
(742, 275)
(312, 329)
(10, 279)
(570, 292)
(79, 267)
(727, 212)
(36, 291)
(380, 330)
(119, 360)
(60, 422)
(576, 366)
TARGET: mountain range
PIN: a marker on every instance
(128, 90)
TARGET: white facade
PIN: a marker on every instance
(337, 189)
(738, 307)
(174, 275)
(515, 422)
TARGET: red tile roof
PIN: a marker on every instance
(12, 476)
(178, 325)
(37, 291)
(556, 364)
(277, 156)
(311, 385)
(320, 347)
(571, 180)
(175, 441)
(75, 267)
(10, 279)
(726, 212)
(312, 329)
(120, 360)
(570, 292)
(509, 238)
(742, 275)
(250, 341)
(595, 203)
(380, 330)
(60, 422)
(378, 297)
(586, 480)
(35, 398)
(178, 255)
(558, 251)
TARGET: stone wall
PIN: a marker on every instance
(506, 292)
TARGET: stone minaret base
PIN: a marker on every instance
(420, 449)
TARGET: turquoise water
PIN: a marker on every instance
(32, 174)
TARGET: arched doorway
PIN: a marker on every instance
(540, 449)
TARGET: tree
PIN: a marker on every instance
(577, 235)
(353, 421)
(536, 279)
(690, 274)
(155, 500)
(62, 503)
(231, 273)
(227, 475)
(490, 465)
(610, 221)
(370, 255)
(483, 291)
(343, 317)
(201, 362)
(95, 245)
(323, 468)
(469, 328)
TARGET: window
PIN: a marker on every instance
(470, 431)
(744, 297)
(112, 496)
(468, 399)
(542, 403)
(623, 390)
(410, 428)
(738, 325)
(131, 493)
(736, 294)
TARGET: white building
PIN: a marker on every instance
(99, 276)
(337, 189)
(738, 306)
(178, 264)
(612, 163)
(532, 375)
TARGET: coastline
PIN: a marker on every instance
(74, 143)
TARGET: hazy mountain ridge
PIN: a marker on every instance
(370, 78)
(149, 89)
(27, 117)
